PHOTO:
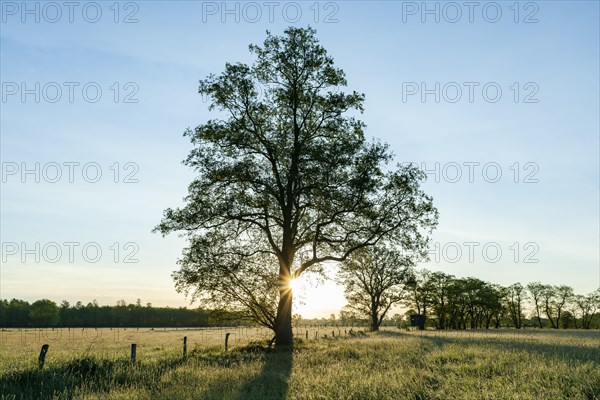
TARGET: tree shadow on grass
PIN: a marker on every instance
(530, 341)
(502, 340)
(273, 380)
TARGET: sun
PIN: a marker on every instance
(295, 285)
(316, 301)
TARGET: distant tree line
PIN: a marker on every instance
(46, 313)
(443, 301)
(447, 302)
(379, 277)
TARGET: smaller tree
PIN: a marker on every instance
(564, 295)
(17, 314)
(567, 319)
(3, 313)
(345, 317)
(536, 289)
(440, 284)
(588, 306)
(491, 300)
(44, 313)
(396, 320)
(555, 298)
(548, 296)
(515, 296)
(373, 279)
(419, 293)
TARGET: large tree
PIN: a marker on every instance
(374, 279)
(286, 182)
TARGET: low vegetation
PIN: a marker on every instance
(391, 364)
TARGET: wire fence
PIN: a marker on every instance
(239, 335)
(19, 345)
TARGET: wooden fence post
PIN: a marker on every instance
(227, 341)
(307, 336)
(185, 348)
(42, 357)
(133, 353)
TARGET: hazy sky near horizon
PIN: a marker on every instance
(499, 101)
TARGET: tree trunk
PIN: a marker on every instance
(374, 317)
(283, 325)
(537, 312)
(374, 325)
(586, 322)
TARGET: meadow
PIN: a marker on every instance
(391, 364)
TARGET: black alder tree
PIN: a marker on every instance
(286, 183)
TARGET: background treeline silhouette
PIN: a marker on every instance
(447, 302)
(46, 313)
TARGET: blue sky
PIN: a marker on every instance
(386, 48)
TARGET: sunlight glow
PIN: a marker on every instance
(295, 285)
(312, 300)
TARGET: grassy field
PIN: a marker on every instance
(504, 364)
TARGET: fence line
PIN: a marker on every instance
(224, 337)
